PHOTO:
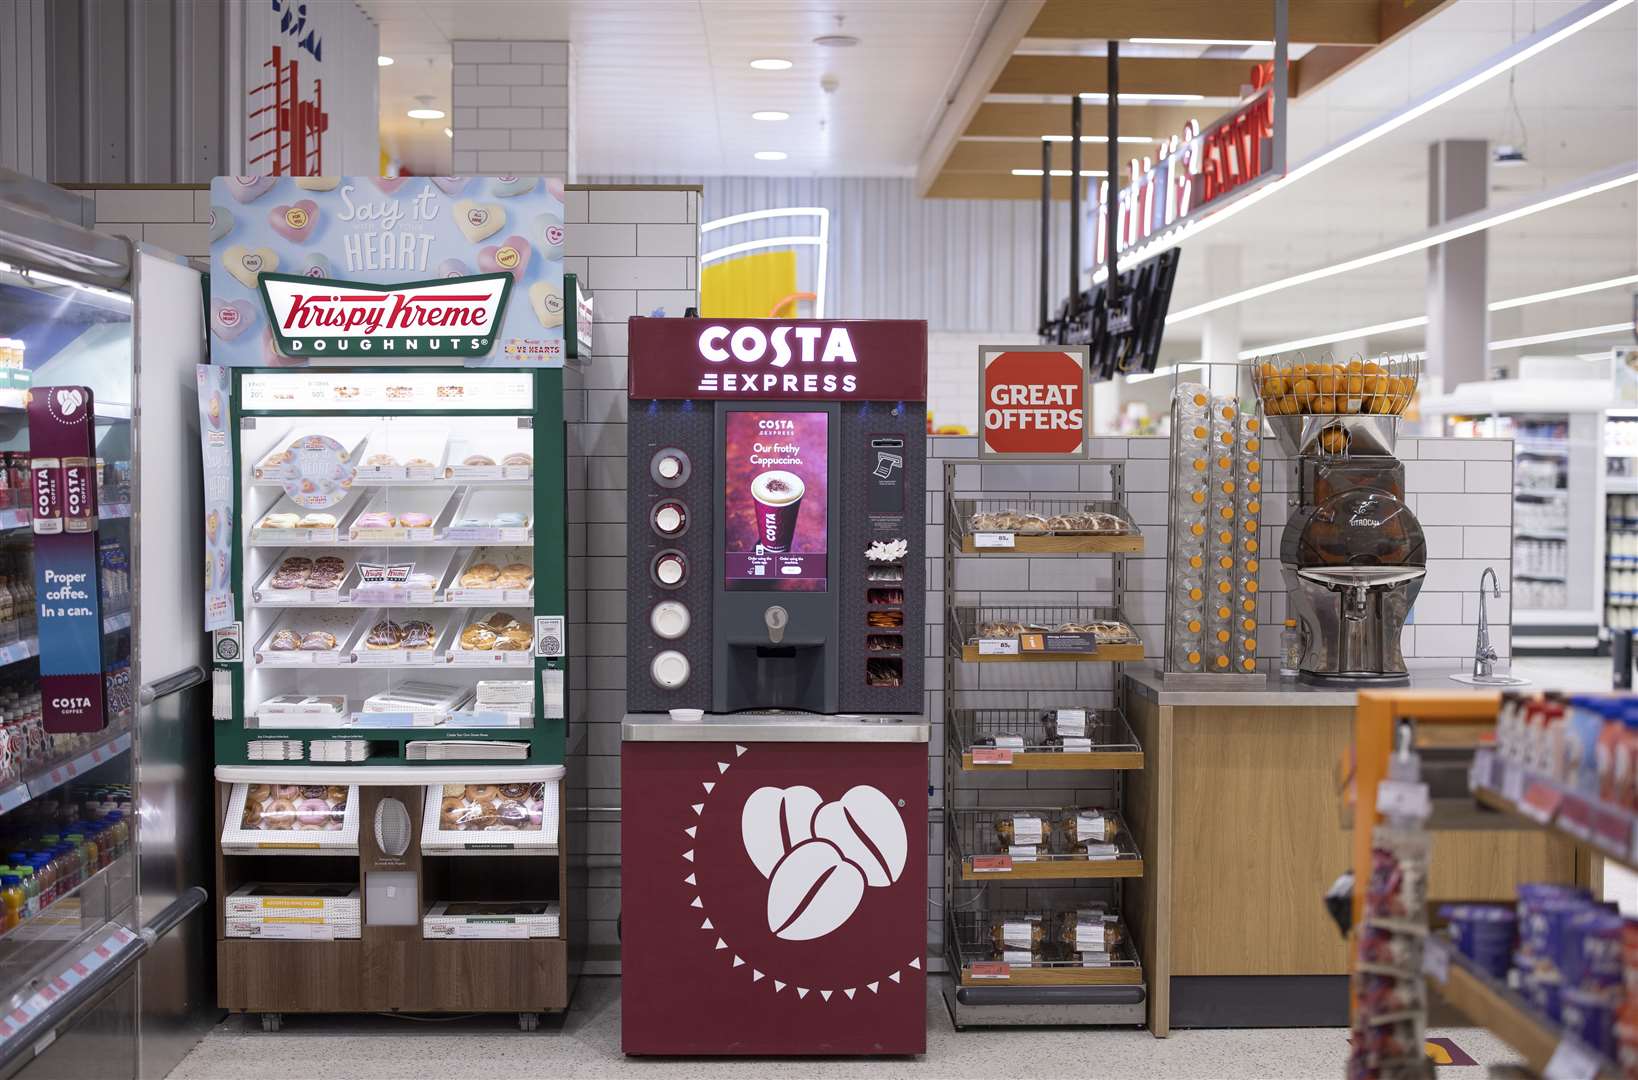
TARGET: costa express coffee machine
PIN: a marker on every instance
(774, 865)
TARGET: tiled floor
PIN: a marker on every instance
(587, 1044)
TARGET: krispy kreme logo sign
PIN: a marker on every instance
(786, 359)
(318, 317)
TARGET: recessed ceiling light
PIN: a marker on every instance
(770, 114)
(1100, 138)
(1145, 97)
(426, 114)
(836, 41)
(771, 155)
(1058, 172)
(448, 134)
(771, 63)
(383, 61)
(1193, 41)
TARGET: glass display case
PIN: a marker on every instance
(399, 603)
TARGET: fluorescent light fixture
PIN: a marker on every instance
(771, 155)
(771, 63)
(1058, 172)
(1455, 229)
(45, 278)
(1147, 97)
(383, 61)
(819, 241)
(448, 134)
(425, 114)
(1422, 320)
(1194, 41)
(1163, 372)
(770, 115)
(1573, 23)
(1559, 294)
(1100, 138)
(1561, 335)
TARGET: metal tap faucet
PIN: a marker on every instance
(1484, 653)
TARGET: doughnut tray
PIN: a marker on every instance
(491, 819)
(310, 823)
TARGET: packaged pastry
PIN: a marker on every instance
(1019, 939)
(285, 641)
(1017, 830)
(1077, 829)
(1089, 930)
(1058, 723)
(317, 520)
(279, 521)
(480, 576)
(492, 807)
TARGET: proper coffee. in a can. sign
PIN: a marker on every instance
(1032, 401)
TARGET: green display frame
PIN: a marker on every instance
(549, 736)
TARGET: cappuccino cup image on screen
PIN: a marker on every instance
(778, 497)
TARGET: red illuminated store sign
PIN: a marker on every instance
(748, 359)
(1032, 401)
(1195, 171)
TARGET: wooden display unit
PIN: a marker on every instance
(395, 968)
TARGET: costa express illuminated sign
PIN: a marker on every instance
(812, 359)
(1193, 170)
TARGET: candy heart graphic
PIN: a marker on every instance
(316, 266)
(512, 255)
(549, 230)
(547, 300)
(507, 186)
(245, 263)
(229, 319)
(450, 185)
(775, 820)
(813, 891)
(247, 188)
(221, 222)
(479, 222)
(867, 830)
(454, 268)
(317, 183)
(554, 188)
(294, 222)
(388, 184)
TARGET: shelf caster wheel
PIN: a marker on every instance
(272, 1021)
(528, 1021)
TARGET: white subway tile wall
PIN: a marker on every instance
(175, 218)
(510, 108)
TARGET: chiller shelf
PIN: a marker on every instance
(59, 773)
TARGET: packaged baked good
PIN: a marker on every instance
(1019, 830)
(385, 634)
(1019, 939)
(285, 641)
(1076, 829)
(492, 807)
(478, 636)
(1090, 929)
(279, 521)
(317, 520)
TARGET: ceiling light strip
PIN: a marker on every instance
(1455, 229)
(1554, 32)
(1560, 294)
(1561, 335)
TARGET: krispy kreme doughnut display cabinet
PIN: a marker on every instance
(775, 860)
(388, 595)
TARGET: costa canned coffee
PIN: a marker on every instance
(79, 495)
(46, 495)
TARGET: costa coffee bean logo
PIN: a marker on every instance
(453, 316)
(821, 858)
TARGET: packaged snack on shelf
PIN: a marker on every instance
(1020, 829)
(1078, 831)
(1020, 939)
(519, 818)
(452, 919)
(287, 818)
(426, 703)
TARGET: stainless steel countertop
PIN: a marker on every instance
(1290, 693)
(788, 727)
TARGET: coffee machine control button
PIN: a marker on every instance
(669, 670)
(777, 619)
(670, 569)
(670, 467)
(670, 518)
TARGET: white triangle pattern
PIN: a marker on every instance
(698, 807)
(894, 976)
(872, 986)
(696, 903)
(801, 992)
(707, 785)
(916, 963)
(850, 991)
(691, 830)
(721, 944)
(706, 925)
(738, 750)
(738, 962)
(689, 854)
(689, 880)
(757, 976)
(826, 994)
(778, 986)
(722, 767)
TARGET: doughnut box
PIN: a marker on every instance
(285, 819)
(287, 910)
(449, 919)
(489, 819)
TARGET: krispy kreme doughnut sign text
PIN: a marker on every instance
(1033, 402)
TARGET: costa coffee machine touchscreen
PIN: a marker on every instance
(778, 468)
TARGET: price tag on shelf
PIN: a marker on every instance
(1400, 798)
(1571, 1061)
(1436, 963)
(991, 540)
(992, 864)
(1611, 831)
(990, 969)
(998, 647)
(1540, 802)
(1575, 817)
(992, 755)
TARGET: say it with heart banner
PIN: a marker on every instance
(462, 266)
(63, 513)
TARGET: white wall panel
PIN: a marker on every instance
(23, 82)
(964, 265)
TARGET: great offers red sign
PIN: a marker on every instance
(1032, 401)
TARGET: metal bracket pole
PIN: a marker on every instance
(1111, 288)
(1046, 232)
(1074, 209)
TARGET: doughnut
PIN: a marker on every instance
(500, 620)
(252, 816)
(385, 634)
(418, 634)
(418, 463)
(287, 791)
(415, 520)
(259, 793)
(454, 791)
(285, 641)
(336, 795)
(312, 811)
(318, 641)
(514, 791)
(514, 639)
(380, 460)
(476, 577)
(482, 793)
(483, 819)
(478, 636)
(278, 814)
(512, 814)
(478, 459)
(330, 564)
(518, 458)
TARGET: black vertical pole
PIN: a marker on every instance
(1111, 289)
(1046, 230)
(1074, 206)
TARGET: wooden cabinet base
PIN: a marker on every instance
(414, 975)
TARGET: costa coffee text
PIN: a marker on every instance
(749, 345)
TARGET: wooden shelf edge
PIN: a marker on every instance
(1109, 976)
(1063, 870)
(1107, 654)
(1058, 762)
(1502, 1012)
(1060, 545)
